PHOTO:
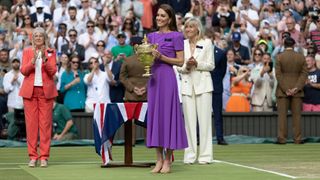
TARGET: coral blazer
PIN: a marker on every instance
(48, 70)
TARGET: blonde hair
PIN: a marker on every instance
(43, 32)
(197, 23)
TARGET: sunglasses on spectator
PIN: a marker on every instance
(26, 18)
(102, 45)
(285, 4)
(72, 35)
(257, 54)
(92, 62)
(75, 62)
(90, 26)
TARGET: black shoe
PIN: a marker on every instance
(279, 143)
(222, 142)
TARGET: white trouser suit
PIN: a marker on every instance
(196, 90)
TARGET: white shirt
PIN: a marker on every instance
(40, 17)
(77, 25)
(58, 17)
(98, 90)
(12, 89)
(92, 14)
(91, 49)
(38, 73)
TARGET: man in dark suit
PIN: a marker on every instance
(39, 16)
(220, 61)
(73, 47)
(116, 87)
(291, 73)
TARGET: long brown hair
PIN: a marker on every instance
(169, 10)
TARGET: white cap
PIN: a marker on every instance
(39, 4)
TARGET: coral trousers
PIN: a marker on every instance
(38, 117)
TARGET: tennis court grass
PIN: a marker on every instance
(237, 162)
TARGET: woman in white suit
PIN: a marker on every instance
(196, 90)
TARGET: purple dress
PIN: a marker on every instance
(165, 125)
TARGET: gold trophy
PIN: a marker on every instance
(144, 53)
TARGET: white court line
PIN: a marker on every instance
(99, 162)
(1, 169)
(258, 169)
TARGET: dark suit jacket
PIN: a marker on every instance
(34, 19)
(131, 76)
(79, 51)
(291, 72)
(220, 63)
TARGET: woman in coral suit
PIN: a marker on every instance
(38, 91)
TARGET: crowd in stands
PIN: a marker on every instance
(98, 36)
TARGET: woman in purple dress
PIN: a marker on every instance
(165, 127)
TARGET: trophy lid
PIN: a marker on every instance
(145, 47)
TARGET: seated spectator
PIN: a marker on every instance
(240, 92)
(73, 86)
(311, 100)
(98, 84)
(63, 126)
(11, 82)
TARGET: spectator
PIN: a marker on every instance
(18, 11)
(100, 48)
(28, 26)
(248, 13)
(137, 25)
(73, 47)
(128, 28)
(73, 86)
(231, 71)
(89, 40)
(4, 44)
(4, 68)
(21, 42)
(98, 84)
(223, 10)
(240, 92)
(63, 125)
(87, 13)
(291, 74)
(122, 50)
(39, 16)
(116, 87)
(61, 13)
(11, 83)
(146, 18)
(61, 38)
(311, 100)
(242, 53)
(263, 78)
(62, 66)
(73, 22)
(112, 38)
(134, 5)
(101, 29)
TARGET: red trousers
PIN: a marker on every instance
(38, 116)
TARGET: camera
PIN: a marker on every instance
(236, 25)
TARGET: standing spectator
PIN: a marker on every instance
(38, 91)
(116, 87)
(62, 66)
(73, 22)
(28, 26)
(4, 44)
(61, 38)
(18, 11)
(61, 14)
(39, 16)
(63, 126)
(180, 6)
(196, 90)
(101, 29)
(98, 85)
(122, 50)
(73, 87)
(21, 42)
(88, 40)
(223, 10)
(73, 47)
(11, 83)
(166, 129)
(146, 18)
(87, 13)
(291, 74)
(263, 78)
(112, 38)
(231, 71)
(294, 33)
(134, 5)
(311, 100)
(242, 52)
(248, 14)
(240, 92)
(4, 68)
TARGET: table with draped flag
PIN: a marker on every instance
(107, 119)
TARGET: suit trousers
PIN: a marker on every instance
(38, 116)
(295, 104)
(217, 114)
(198, 108)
